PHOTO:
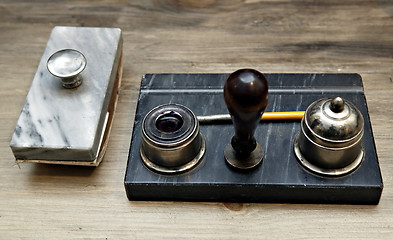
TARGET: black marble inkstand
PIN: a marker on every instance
(173, 157)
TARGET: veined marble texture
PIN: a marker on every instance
(67, 124)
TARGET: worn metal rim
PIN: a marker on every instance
(178, 169)
(323, 171)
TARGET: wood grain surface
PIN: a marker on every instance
(184, 36)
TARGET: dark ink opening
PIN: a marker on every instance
(169, 122)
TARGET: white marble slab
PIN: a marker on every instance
(62, 124)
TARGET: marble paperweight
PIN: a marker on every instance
(68, 112)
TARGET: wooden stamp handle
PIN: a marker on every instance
(246, 96)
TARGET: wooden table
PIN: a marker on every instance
(191, 36)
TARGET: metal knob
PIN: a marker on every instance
(67, 64)
(246, 96)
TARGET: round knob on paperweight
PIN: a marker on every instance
(67, 64)
(246, 96)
